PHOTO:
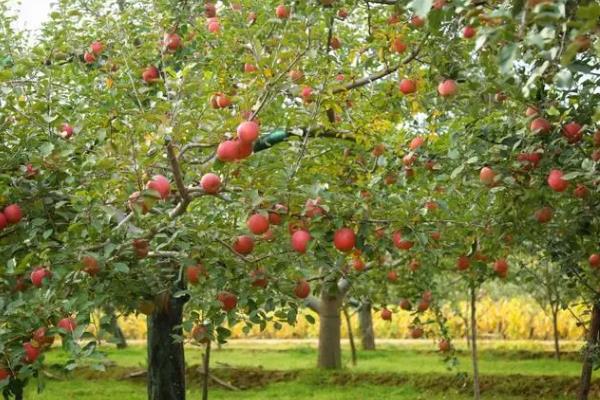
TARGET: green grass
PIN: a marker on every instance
(415, 361)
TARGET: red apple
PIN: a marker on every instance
(447, 88)
(540, 125)
(213, 25)
(228, 151)
(282, 12)
(172, 41)
(313, 209)
(487, 176)
(344, 239)
(398, 46)
(342, 13)
(358, 264)
(258, 224)
(4, 374)
(67, 324)
(463, 263)
(259, 278)
(32, 352)
(302, 289)
(96, 47)
(400, 243)
(532, 111)
(38, 274)
(3, 221)
(161, 185)
(469, 32)
(386, 314)
(423, 305)
(335, 43)
(594, 260)
(210, 10)
(416, 332)
(300, 240)
(572, 132)
(66, 131)
(201, 334)
(306, 93)
(90, 265)
(414, 265)
(295, 75)
(248, 131)
(501, 268)
(444, 345)
(392, 276)
(596, 139)
(435, 235)
(544, 215)
(249, 68)
(408, 86)
(210, 183)
(89, 58)
(556, 181)
(416, 143)
(243, 244)
(417, 21)
(244, 149)
(228, 300)
(194, 272)
(150, 74)
(13, 213)
(581, 191)
(405, 305)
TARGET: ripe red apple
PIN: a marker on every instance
(447, 88)
(544, 215)
(423, 305)
(400, 243)
(161, 185)
(342, 13)
(3, 221)
(249, 68)
(210, 10)
(150, 74)
(540, 125)
(463, 263)
(398, 46)
(282, 12)
(213, 25)
(414, 265)
(416, 143)
(435, 235)
(220, 100)
(358, 264)
(90, 265)
(594, 260)
(501, 268)
(302, 289)
(487, 176)
(30, 171)
(306, 93)
(259, 278)
(97, 47)
(13, 213)
(194, 272)
(556, 181)
(228, 300)
(416, 332)
(386, 314)
(300, 240)
(408, 86)
(392, 276)
(66, 131)
(572, 132)
(228, 151)
(344, 239)
(248, 131)
(201, 334)
(40, 337)
(4, 374)
(210, 183)
(295, 75)
(378, 150)
(32, 352)
(469, 32)
(444, 345)
(405, 305)
(312, 208)
(417, 21)
(258, 224)
(172, 41)
(38, 274)
(581, 191)
(67, 324)
(244, 149)
(89, 58)
(335, 43)
(243, 244)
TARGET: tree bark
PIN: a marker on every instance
(117, 332)
(555, 331)
(206, 368)
(330, 352)
(350, 334)
(365, 323)
(166, 362)
(476, 387)
(588, 364)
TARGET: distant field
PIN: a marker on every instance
(282, 370)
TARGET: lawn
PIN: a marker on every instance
(406, 371)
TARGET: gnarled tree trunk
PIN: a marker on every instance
(365, 323)
(330, 351)
(166, 362)
(588, 364)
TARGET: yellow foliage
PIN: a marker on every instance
(511, 319)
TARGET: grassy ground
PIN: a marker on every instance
(397, 372)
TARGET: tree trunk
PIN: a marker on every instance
(476, 388)
(117, 332)
(166, 363)
(555, 330)
(330, 352)
(588, 364)
(206, 368)
(365, 323)
(350, 334)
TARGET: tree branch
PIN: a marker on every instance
(313, 303)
